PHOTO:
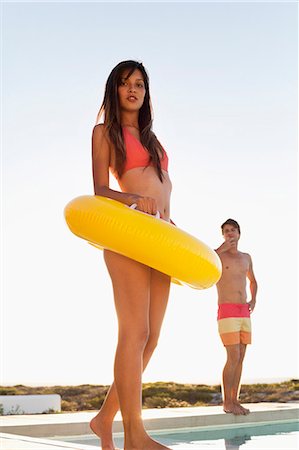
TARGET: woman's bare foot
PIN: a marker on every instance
(103, 429)
(146, 444)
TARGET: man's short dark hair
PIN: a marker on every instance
(232, 222)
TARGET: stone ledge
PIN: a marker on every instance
(154, 419)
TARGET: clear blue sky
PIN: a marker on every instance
(224, 90)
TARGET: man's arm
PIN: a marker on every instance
(227, 245)
(252, 285)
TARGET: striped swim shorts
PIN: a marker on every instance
(234, 324)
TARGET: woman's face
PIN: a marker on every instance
(131, 91)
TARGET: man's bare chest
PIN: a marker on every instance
(235, 265)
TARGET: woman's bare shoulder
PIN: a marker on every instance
(100, 142)
(99, 131)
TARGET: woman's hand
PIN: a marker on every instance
(146, 204)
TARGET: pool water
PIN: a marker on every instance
(275, 436)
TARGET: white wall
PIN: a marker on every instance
(29, 404)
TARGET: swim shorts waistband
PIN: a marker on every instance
(226, 310)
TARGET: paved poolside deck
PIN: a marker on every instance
(30, 432)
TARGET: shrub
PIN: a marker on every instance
(157, 402)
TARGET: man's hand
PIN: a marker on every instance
(251, 305)
(227, 245)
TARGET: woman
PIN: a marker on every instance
(126, 145)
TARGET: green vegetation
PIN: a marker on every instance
(162, 394)
(287, 391)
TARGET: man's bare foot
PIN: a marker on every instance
(246, 410)
(104, 432)
(232, 408)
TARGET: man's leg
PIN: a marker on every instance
(236, 383)
(228, 379)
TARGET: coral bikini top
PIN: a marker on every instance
(137, 155)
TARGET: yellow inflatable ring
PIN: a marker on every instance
(156, 243)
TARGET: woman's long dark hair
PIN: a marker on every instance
(111, 110)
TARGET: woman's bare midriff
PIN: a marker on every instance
(144, 181)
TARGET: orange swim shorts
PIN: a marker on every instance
(234, 324)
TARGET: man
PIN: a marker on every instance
(234, 312)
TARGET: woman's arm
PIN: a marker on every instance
(100, 168)
(101, 152)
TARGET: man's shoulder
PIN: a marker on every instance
(245, 255)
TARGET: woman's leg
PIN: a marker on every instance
(137, 291)
(159, 293)
(101, 424)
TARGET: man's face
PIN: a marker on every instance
(230, 232)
